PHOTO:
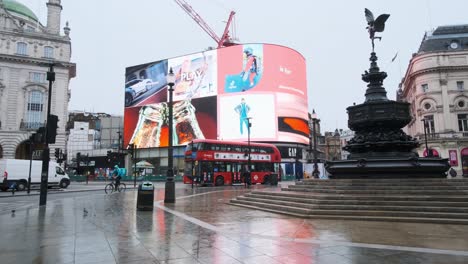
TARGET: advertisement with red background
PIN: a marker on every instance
(271, 78)
(277, 71)
(205, 115)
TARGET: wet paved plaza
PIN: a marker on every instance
(201, 228)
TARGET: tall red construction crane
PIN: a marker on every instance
(224, 40)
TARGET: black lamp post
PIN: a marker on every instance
(169, 196)
(31, 146)
(248, 141)
(315, 121)
(119, 146)
(46, 152)
(426, 130)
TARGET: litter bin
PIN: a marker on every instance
(274, 179)
(145, 197)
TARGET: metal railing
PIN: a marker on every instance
(444, 135)
(31, 125)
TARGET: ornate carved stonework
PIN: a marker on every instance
(380, 148)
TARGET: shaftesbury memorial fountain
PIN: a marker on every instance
(380, 148)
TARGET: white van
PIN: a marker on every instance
(17, 171)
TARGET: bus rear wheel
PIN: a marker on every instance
(219, 181)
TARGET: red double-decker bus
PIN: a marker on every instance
(214, 162)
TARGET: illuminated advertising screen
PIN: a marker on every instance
(217, 93)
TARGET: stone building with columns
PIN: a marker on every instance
(27, 48)
(435, 86)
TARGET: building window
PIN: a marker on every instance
(22, 48)
(37, 77)
(34, 113)
(430, 124)
(460, 85)
(463, 122)
(427, 106)
(461, 103)
(424, 87)
(48, 52)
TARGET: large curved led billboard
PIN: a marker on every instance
(217, 93)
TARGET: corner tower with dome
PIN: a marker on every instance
(27, 47)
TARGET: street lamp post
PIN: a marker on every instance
(315, 121)
(46, 152)
(31, 144)
(426, 128)
(119, 146)
(249, 124)
(169, 196)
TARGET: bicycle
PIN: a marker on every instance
(110, 188)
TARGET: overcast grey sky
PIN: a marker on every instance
(109, 35)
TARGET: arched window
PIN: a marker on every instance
(22, 48)
(35, 111)
(48, 52)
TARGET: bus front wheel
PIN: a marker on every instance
(219, 181)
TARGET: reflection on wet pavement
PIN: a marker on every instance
(201, 228)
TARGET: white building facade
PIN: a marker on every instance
(93, 134)
(27, 48)
(345, 136)
(435, 86)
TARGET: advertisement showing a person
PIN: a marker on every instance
(251, 71)
(236, 111)
(243, 110)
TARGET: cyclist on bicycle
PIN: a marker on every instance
(116, 176)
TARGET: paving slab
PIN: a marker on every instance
(202, 228)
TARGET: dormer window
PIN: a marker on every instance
(460, 85)
(21, 48)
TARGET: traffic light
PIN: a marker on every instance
(52, 125)
(109, 155)
(38, 137)
(57, 153)
(131, 147)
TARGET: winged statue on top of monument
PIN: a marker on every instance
(375, 25)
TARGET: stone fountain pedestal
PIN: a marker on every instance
(380, 148)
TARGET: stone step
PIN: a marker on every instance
(430, 183)
(378, 197)
(359, 202)
(322, 206)
(301, 210)
(381, 187)
(373, 191)
(361, 218)
(402, 180)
